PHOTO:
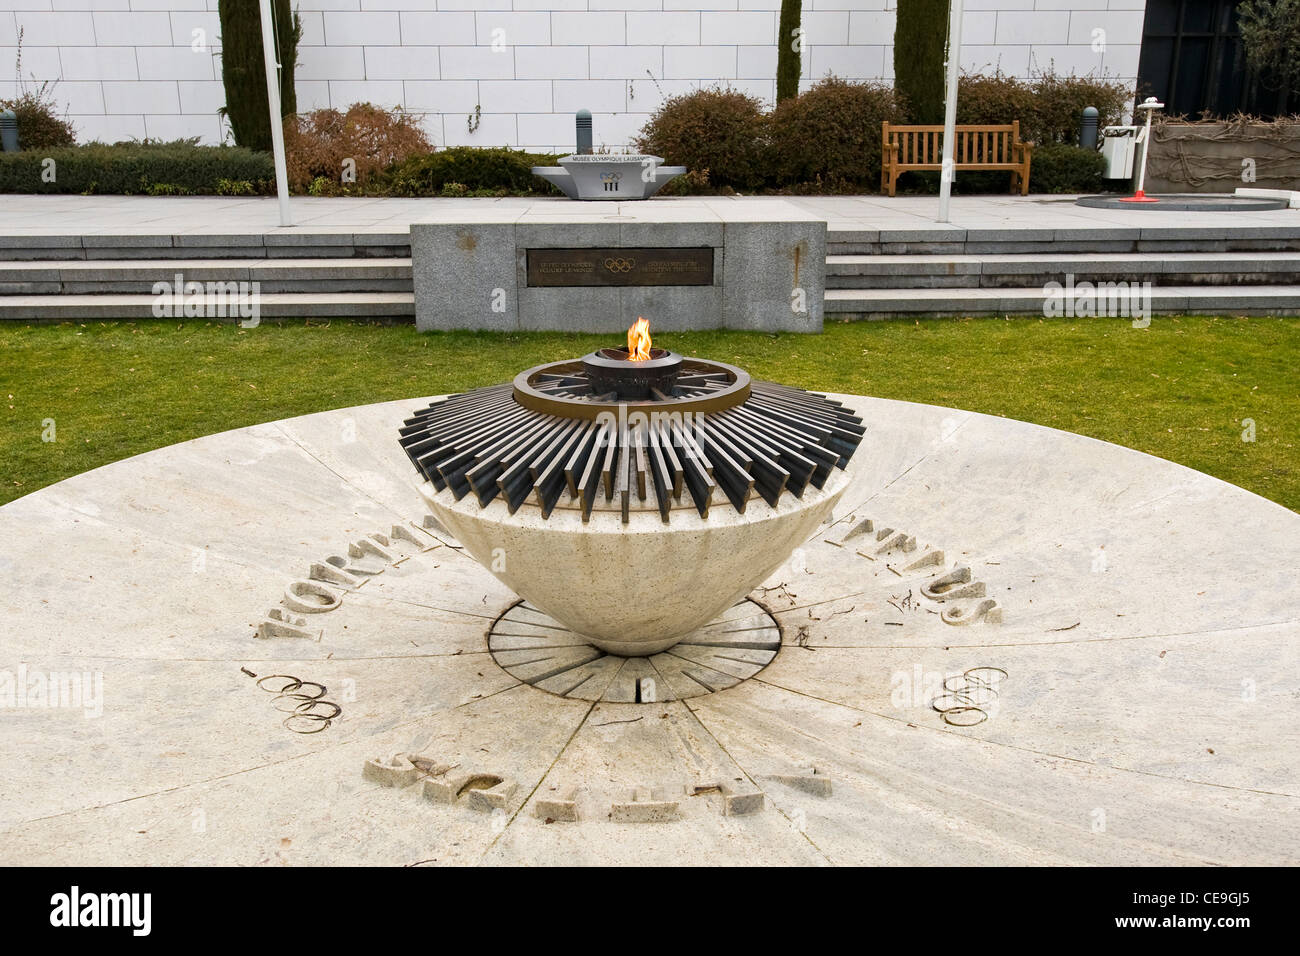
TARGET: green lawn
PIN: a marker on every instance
(1179, 389)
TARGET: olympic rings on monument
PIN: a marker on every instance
(967, 694)
(619, 264)
(295, 697)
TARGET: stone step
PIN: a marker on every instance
(1192, 300)
(1214, 236)
(135, 276)
(1029, 270)
(287, 244)
(359, 305)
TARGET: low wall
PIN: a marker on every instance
(1218, 157)
(564, 266)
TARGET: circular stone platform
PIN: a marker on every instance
(1187, 202)
(1010, 645)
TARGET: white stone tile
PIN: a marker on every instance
(43, 62)
(141, 97)
(590, 28)
(705, 63)
(1072, 60)
(165, 127)
(107, 129)
(173, 63)
(472, 5)
(132, 29)
(599, 96)
(625, 5)
(871, 27)
(401, 63)
(546, 131)
(312, 94)
(514, 96)
(1033, 27)
(757, 62)
(551, 62)
(438, 29)
(626, 62)
(616, 130)
(1122, 59)
(752, 29)
(50, 29)
(830, 27)
(550, 6)
(848, 62)
(978, 28)
(680, 28)
(185, 23)
(710, 5)
(208, 97)
(313, 28)
(855, 4)
(492, 130)
(476, 63)
(363, 29)
(517, 29)
(441, 95)
(1119, 26)
(1011, 60)
(330, 63)
(385, 93)
(85, 97)
(329, 4)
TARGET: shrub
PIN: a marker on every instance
(1060, 168)
(243, 67)
(137, 169)
(468, 170)
(920, 37)
(995, 98)
(1059, 103)
(1048, 106)
(831, 134)
(317, 143)
(39, 124)
(721, 130)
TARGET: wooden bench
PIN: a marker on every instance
(979, 147)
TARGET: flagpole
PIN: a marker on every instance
(277, 121)
(950, 108)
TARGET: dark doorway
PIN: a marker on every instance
(1192, 61)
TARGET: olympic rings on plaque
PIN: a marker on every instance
(619, 264)
(966, 695)
(301, 700)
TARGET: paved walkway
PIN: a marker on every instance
(27, 215)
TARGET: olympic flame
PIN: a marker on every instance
(638, 341)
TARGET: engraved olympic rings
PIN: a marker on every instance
(966, 695)
(295, 697)
(619, 264)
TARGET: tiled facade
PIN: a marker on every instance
(136, 68)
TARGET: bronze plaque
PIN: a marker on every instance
(613, 267)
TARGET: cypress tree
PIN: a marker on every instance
(920, 36)
(789, 50)
(243, 70)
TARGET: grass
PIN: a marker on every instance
(1181, 389)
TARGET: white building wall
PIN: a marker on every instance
(137, 68)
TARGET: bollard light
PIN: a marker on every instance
(9, 131)
(1088, 128)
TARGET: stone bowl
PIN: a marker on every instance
(635, 589)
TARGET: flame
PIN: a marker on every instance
(638, 341)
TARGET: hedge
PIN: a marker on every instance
(149, 169)
(468, 170)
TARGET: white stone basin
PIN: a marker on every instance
(635, 589)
